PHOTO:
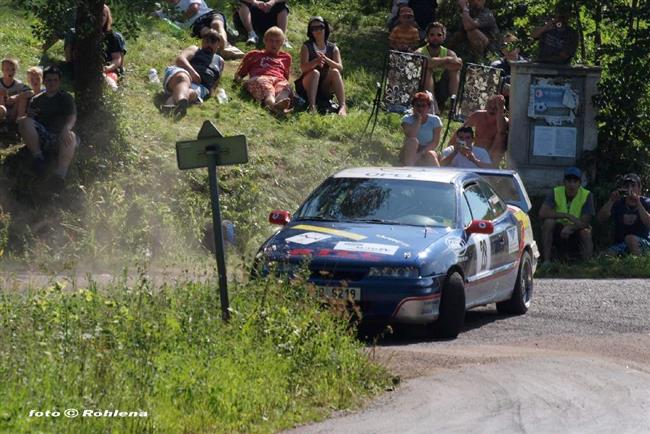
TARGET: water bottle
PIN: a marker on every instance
(153, 76)
(221, 96)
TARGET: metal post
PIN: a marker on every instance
(220, 252)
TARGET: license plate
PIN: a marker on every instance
(339, 293)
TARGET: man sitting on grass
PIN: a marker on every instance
(566, 214)
(630, 213)
(463, 153)
(47, 128)
(269, 71)
(195, 75)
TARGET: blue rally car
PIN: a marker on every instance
(412, 245)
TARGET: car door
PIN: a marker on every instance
(480, 248)
(505, 238)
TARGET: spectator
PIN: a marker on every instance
(405, 36)
(10, 90)
(269, 71)
(195, 75)
(510, 52)
(557, 41)
(424, 11)
(478, 29)
(200, 18)
(321, 66)
(47, 128)
(566, 217)
(491, 128)
(114, 50)
(463, 153)
(257, 16)
(422, 133)
(629, 211)
(35, 79)
(443, 66)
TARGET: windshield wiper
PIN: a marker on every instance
(317, 217)
(380, 221)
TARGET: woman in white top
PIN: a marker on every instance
(321, 66)
(422, 133)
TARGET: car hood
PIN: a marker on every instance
(356, 242)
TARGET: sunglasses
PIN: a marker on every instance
(316, 28)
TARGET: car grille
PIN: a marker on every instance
(338, 273)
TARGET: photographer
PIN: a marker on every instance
(557, 41)
(629, 211)
(566, 216)
(463, 153)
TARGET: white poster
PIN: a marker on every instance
(555, 141)
(382, 249)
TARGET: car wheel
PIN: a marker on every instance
(452, 308)
(522, 295)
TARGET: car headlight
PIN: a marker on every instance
(397, 272)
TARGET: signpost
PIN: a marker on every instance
(212, 149)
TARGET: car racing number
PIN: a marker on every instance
(483, 253)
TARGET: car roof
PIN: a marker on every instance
(433, 174)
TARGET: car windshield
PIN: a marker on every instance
(383, 201)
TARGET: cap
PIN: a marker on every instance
(402, 2)
(317, 18)
(572, 171)
(632, 177)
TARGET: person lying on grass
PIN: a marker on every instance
(269, 73)
(195, 75)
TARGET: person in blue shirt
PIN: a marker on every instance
(422, 133)
(630, 213)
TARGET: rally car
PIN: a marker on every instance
(412, 245)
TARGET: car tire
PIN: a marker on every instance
(451, 316)
(522, 295)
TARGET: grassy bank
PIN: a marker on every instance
(280, 361)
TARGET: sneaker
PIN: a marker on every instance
(287, 45)
(231, 52)
(253, 39)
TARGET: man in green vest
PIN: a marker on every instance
(443, 66)
(566, 216)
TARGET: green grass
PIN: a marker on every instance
(281, 360)
(599, 267)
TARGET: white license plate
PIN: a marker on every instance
(340, 293)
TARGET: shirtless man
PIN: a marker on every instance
(491, 126)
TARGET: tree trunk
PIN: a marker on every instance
(88, 58)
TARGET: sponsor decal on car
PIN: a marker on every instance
(457, 245)
(308, 238)
(393, 240)
(513, 239)
(339, 233)
(382, 249)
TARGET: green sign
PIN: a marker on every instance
(192, 154)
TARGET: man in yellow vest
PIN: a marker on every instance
(566, 217)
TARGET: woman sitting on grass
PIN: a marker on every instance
(321, 66)
(422, 131)
(269, 73)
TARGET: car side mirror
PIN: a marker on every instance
(480, 227)
(279, 217)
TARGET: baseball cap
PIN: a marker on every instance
(402, 2)
(632, 177)
(572, 171)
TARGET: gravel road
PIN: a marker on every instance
(578, 361)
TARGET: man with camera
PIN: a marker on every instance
(463, 153)
(566, 216)
(557, 41)
(630, 214)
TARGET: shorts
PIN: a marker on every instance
(263, 86)
(172, 70)
(205, 20)
(46, 139)
(621, 248)
(261, 21)
(441, 88)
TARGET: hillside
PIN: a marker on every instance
(148, 206)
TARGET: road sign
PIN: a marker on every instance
(210, 150)
(193, 154)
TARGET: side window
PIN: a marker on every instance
(466, 214)
(478, 203)
(498, 206)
